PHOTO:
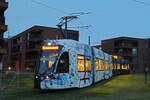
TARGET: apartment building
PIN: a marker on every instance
(135, 50)
(3, 28)
(24, 48)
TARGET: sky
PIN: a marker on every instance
(107, 18)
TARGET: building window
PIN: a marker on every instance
(28, 36)
(134, 51)
(20, 48)
(120, 51)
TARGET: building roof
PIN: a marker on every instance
(37, 27)
(124, 38)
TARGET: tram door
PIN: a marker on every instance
(107, 66)
(63, 64)
(62, 70)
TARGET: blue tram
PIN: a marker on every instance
(67, 64)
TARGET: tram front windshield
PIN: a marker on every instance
(47, 61)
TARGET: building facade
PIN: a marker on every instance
(3, 28)
(135, 50)
(23, 49)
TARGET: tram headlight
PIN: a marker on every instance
(47, 77)
(49, 43)
(36, 77)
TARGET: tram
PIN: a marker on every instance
(67, 64)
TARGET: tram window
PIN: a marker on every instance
(50, 63)
(107, 65)
(115, 66)
(102, 65)
(118, 66)
(123, 66)
(63, 64)
(111, 66)
(128, 66)
(88, 64)
(97, 64)
(80, 63)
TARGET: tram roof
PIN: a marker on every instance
(64, 42)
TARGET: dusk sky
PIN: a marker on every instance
(108, 18)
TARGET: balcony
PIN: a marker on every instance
(3, 5)
(125, 54)
(33, 49)
(36, 39)
(122, 45)
(3, 51)
(3, 27)
(126, 44)
(33, 46)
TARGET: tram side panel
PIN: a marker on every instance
(107, 66)
(110, 66)
(84, 65)
(99, 65)
(73, 67)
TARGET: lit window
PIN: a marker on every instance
(124, 67)
(111, 66)
(97, 65)
(107, 65)
(80, 63)
(100, 48)
(118, 66)
(88, 64)
(115, 66)
(102, 65)
(51, 63)
(116, 57)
